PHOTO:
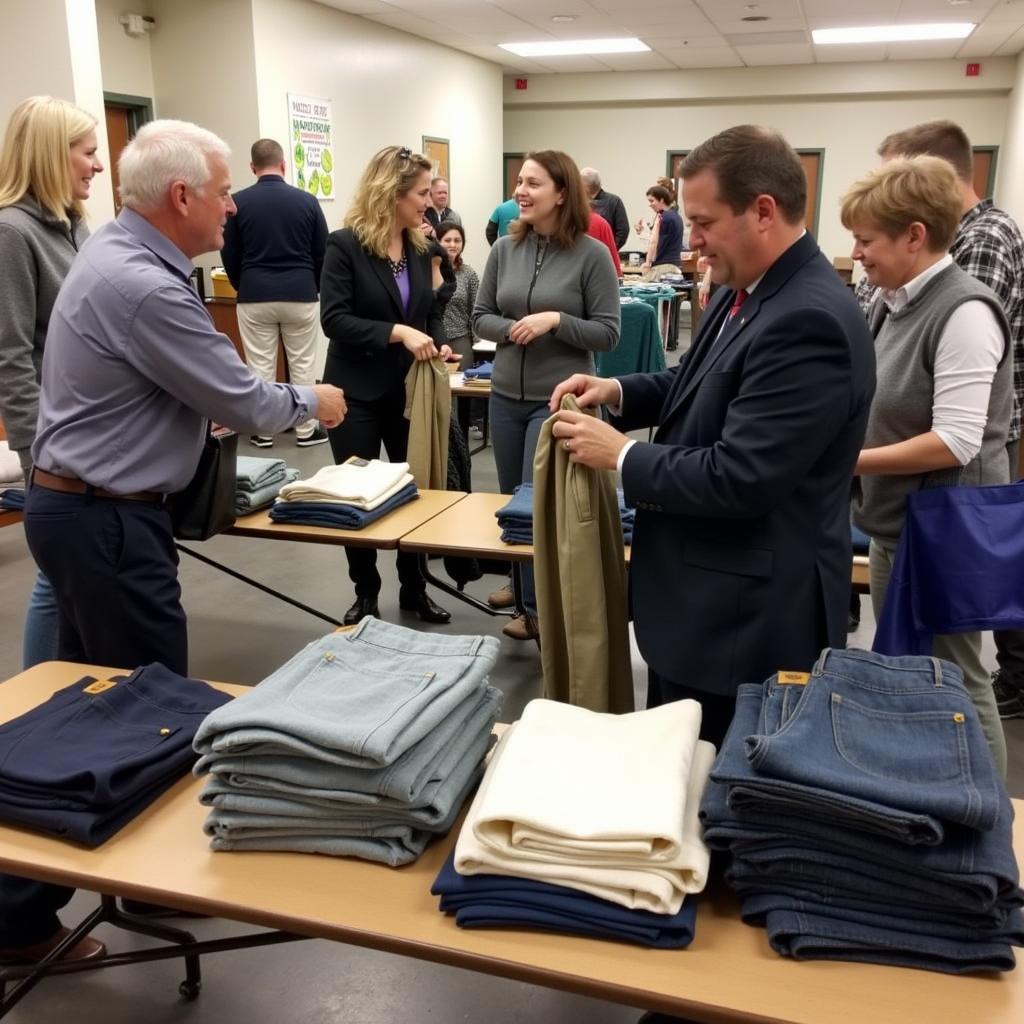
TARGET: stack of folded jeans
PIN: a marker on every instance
(12, 499)
(562, 836)
(865, 817)
(349, 496)
(364, 744)
(516, 517)
(258, 482)
(478, 375)
(98, 752)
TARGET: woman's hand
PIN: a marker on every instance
(446, 352)
(531, 327)
(419, 344)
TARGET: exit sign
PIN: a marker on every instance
(973, 70)
(520, 84)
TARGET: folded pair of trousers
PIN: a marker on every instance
(88, 760)
(392, 852)
(807, 936)
(342, 517)
(560, 810)
(897, 731)
(412, 780)
(361, 698)
(359, 482)
(436, 805)
(250, 500)
(252, 473)
(492, 901)
(980, 862)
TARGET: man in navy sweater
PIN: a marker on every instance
(273, 254)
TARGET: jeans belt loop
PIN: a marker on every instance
(819, 665)
(937, 671)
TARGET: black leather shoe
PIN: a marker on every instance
(363, 606)
(425, 608)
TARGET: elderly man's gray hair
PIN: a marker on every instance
(591, 179)
(163, 152)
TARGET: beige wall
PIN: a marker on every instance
(843, 109)
(387, 88)
(127, 61)
(1010, 182)
(36, 57)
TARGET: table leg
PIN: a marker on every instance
(445, 587)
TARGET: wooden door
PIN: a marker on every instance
(118, 133)
(984, 170)
(513, 164)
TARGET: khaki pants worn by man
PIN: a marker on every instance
(296, 323)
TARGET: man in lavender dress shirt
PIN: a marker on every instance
(133, 372)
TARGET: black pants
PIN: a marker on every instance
(366, 426)
(717, 711)
(1010, 642)
(115, 573)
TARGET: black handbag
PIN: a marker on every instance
(206, 506)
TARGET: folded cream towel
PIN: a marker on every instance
(607, 807)
(363, 483)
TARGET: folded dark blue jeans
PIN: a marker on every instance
(345, 517)
(88, 760)
(493, 901)
(897, 731)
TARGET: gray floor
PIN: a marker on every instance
(240, 635)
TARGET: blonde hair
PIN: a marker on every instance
(908, 190)
(36, 159)
(390, 174)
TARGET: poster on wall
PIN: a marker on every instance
(436, 151)
(311, 155)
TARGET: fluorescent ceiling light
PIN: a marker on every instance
(893, 33)
(574, 47)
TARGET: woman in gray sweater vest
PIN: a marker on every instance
(549, 299)
(943, 403)
(46, 169)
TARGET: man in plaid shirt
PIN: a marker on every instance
(990, 247)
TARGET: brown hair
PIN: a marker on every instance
(933, 138)
(668, 185)
(921, 189)
(662, 193)
(266, 153)
(573, 216)
(442, 229)
(749, 161)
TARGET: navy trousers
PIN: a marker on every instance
(115, 573)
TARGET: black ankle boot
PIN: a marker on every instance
(423, 607)
(363, 606)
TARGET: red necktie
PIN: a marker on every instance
(738, 300)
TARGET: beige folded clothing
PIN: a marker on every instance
(606, 804)
(362, 483)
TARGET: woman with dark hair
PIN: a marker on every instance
(666, 235)
(549, 299)
(380, 312)
(458, 314)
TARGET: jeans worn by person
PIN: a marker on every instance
(40, 642)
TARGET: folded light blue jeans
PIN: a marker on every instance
(361, 699)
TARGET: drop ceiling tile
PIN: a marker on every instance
(763, 56)
(847, 53)
(695, 57)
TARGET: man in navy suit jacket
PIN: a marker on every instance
(741, 552)
(273, 255)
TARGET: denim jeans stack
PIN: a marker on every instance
(259, 481)
(349, 496)
(865, 817)
(516, 517)
(364, 744)
(87, 761)
(12, 499)
(563, 837)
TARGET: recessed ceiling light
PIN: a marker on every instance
(563, 19)
(574, 47)
(893, 33)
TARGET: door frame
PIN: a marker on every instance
(140, 108)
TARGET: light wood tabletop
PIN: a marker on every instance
(8, 517)
(729, 973)
(383, 534)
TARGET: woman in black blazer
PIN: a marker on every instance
(380, 312)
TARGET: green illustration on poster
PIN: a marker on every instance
(310, 142)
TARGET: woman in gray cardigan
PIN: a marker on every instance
(549, 299)
(942, 407)
(47, 164)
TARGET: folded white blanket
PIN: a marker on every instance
(10, 466)
(362, 483)
(602, 803)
